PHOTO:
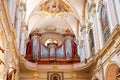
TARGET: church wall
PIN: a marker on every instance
(9, 60)
(18, 26)
(113, 11)
(111, 14)
(117, 10)
(100, 35)
(96, 36)
(106, 53)
(46, 74)
(110, 56)
(2, 56)
(87, 47)
(94, 21)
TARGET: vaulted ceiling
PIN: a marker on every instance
(39, 14)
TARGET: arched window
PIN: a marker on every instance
(104, 23)
(91, 41)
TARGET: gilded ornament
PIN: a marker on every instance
(1, 49)
(54, 7)
(89, 24)
(1, 35)
(100, 3)
(1, 62)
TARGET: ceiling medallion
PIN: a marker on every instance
(51, 28)
(54, 7)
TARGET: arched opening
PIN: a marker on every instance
(113, 72)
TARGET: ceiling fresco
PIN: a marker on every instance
(54, 6)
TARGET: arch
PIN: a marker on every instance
(112, 71)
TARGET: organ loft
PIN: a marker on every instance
(49, 50)
(59, 39)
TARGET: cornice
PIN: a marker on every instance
(109, 43)
(83, 65)
(107, 47)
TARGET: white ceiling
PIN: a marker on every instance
(42, 19)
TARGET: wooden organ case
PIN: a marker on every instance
(52, 53)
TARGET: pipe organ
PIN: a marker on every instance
(38, 52)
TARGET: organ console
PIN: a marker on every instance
(52, 52)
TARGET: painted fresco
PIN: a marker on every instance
(54, 6)
(104, 18)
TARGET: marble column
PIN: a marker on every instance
(111, 15)
(18, 26)
(12, 10)
(86, 45)
(96, 34)
(100, 32)
(22, 43)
